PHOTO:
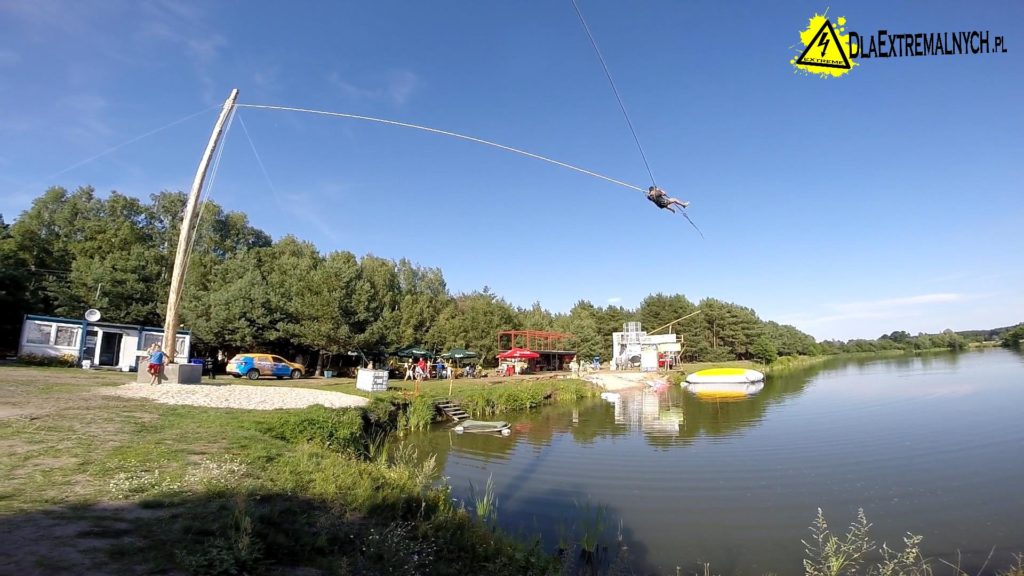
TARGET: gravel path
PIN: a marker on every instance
(237, 396)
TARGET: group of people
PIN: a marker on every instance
(420, 370)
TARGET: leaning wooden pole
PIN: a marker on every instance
(188, 222)
(681, 318)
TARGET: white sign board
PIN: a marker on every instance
(659, 339)
(372, 380)
(649, 360)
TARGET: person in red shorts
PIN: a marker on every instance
(157, 358)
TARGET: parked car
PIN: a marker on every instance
(254, 365)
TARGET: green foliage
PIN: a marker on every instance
(485, 504)
(786, 362)
(473, 321)
(75, 250)
(486, 402)
(62, 361)
(1013, 338)
(522, 396)
(394, 549)
(236, 553)
(420, 413)
(341, 430)
(573, 390)
(831, 555)
(764, 350)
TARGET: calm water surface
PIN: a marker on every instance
(931, 444)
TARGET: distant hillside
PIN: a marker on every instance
(987, 335)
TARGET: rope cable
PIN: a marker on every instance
(259, 160)
(445, 133)
(622, 107)
(618, 97)
(127, 142)
(207, 193)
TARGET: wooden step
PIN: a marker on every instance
(451, 409)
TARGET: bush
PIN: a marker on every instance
(62, 361)
(831, 555)
(341, 430)
(382, 415)
(420, 413)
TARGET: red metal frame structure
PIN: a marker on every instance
(536, 340)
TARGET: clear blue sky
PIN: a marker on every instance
(891, 198)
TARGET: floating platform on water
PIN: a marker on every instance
(725, 390)
(498, 427)
(735, 383)
(724, 375)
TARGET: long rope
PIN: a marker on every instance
(127, 142)
(622, 107)
(259, 160)
(207, 194)
(618, 97)
(446, 133)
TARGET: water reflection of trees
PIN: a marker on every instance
(672, 416)
(897, 362)
(667, 417)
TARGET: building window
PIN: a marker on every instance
(66, 336)
(38, 333)
(150, 338)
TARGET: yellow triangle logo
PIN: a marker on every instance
(824, 50)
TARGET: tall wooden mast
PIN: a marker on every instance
(188, 222)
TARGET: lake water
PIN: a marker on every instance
(930, 444)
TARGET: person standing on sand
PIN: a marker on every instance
(156, 364)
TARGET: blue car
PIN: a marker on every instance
(254, 365)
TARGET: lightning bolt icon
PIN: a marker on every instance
(823, 42)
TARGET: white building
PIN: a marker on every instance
(105, 344)
(634, 348)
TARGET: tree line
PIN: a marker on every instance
(246, 292)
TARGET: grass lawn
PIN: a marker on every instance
(131, 486)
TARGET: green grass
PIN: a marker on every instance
(235, 491)
(222, 491)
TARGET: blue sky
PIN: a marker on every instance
(887, 199)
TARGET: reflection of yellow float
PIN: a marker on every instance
(725, 383)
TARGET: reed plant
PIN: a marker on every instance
(486, 503)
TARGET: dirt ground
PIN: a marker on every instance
(41, 419)
(66, 542)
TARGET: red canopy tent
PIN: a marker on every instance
(518, 354)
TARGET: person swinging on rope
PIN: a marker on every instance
(658, 196)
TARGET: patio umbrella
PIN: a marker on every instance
(458, 354)
(518, 354)
(413, 351)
